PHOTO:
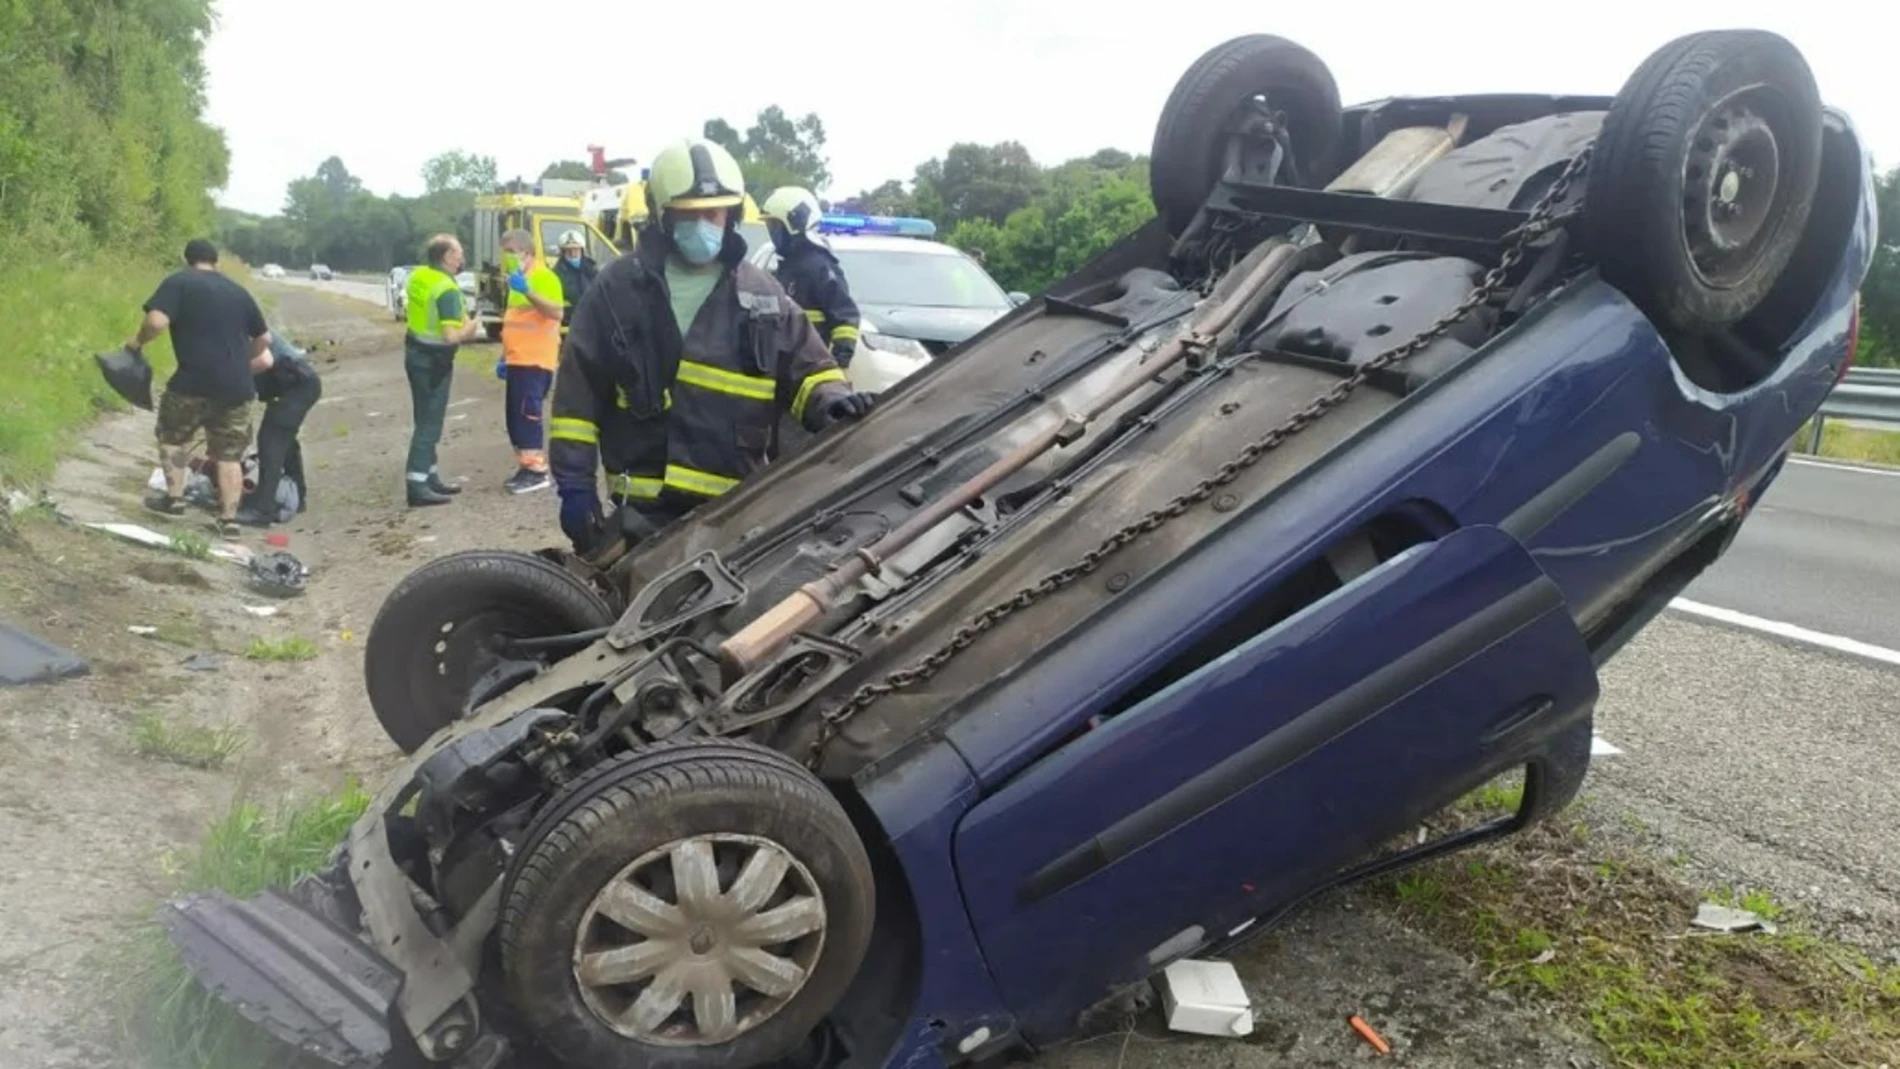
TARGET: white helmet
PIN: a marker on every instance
(572, 239)
(797, 208)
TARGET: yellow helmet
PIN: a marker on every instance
(694, 174)
(795, 207)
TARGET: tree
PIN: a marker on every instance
(776, 150)
(459, 170)
(974, 181)
(887, 199)
(568, 170)
(1880, 293)
(1079, 208)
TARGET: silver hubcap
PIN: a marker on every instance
(700, 941)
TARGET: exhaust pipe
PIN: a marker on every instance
(759, 640)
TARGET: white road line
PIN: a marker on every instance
(1838, 466)
(1837, 643)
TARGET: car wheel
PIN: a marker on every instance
(1191, 137)
(686, 906)
(493, 330)
(442, 628)
(1704, 175)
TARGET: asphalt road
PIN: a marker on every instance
(1822, 552)
(363, 291)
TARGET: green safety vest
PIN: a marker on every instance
(426, 286)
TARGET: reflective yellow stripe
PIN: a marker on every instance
(565, 429)
(719, 380)
(814, 316)
(704, 483)
(634, 486)
(685, 480)
(620, 398)
(812, 382)
(844, 332)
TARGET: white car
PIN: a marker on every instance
(320, 272)
(916, 299)
(396, 289)
(273, 271)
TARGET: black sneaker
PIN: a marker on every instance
(445, 489)
(526, 481)
(421, 494)
(250, 517)
(164, 504)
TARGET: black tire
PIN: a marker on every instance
(435, 633)
(493, 330)
(1655, 198)
(1191, 137)
(634, 806)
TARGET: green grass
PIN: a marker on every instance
(1863, 445)
(59, 311)
(192, 545)
(1600, 933)
(294, 648)
(58, 314)
(190, 745)
(166, 1020)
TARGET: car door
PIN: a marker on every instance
(1260, 774)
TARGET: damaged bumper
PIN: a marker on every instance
(344, 966)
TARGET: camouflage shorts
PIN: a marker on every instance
(227, 426)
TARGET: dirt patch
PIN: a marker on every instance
(171, 573)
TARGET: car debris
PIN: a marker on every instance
(1145, 617)
(1715, 917)
(27, 658)
(1205, 998)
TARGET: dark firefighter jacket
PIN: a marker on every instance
(677, 421)
(811, 275)
(574, 282)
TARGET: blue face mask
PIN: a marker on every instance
(697, 240)
(573, 261)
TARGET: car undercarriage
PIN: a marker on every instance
(556, 864)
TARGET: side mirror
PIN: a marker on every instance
(1018, 297)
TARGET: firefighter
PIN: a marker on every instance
(809, 271)
(576, 270)
(680, 358)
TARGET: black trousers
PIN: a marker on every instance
(279, 453)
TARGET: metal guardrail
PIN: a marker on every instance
(1868, 394)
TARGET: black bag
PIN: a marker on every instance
(129, 374)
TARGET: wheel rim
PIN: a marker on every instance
(1731, 184)
(700, 941)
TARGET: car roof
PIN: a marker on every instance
(890, 243)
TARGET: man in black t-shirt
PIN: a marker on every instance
(220, 340)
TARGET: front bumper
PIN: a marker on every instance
(343, 966)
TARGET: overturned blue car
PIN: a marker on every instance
(1162, 607)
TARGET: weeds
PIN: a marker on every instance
(1602, 933)
(191, 544)
(168, 1021)
(190, 745)
(294, 648)
(1865, 445)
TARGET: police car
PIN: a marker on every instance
(917, 298)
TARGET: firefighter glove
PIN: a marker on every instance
(841, 352)
(850, 406)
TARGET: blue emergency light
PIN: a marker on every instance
(901, 226)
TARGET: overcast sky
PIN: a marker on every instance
(385, 84)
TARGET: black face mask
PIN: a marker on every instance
(782, 238)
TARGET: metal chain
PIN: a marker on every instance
(1542, 219)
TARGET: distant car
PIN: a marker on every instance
(320, 273)
(396, 291)
(273, 271)
(917, 298)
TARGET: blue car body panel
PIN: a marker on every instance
(1559, 467)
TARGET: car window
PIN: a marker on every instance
(884, 276)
